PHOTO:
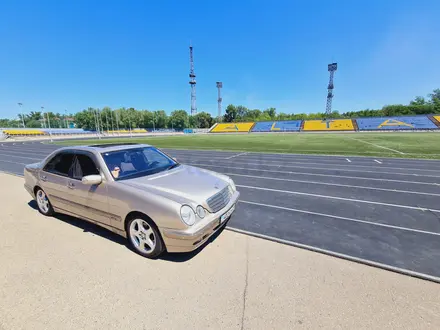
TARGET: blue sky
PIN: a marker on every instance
(75, 54)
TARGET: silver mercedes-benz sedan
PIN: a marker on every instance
(136, 191)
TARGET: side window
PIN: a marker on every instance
(83, 166)
(60, 164)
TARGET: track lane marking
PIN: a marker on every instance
(341, 198)
(13, 153)
(7, 161)
(14, 156)
(339, 255)
(348, 160)
(329, 169)
(243, 153)
(379, 162)
(343, 218)
(341, 169)
(334, 184)
(317, 174)
(262, 163)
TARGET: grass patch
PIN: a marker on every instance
(406, 145)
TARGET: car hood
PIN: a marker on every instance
(183, 184)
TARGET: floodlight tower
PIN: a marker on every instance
(331, 68)
(219, 100)
(192, 82)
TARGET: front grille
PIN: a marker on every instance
(219, 200)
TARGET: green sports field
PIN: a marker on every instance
(406, 145)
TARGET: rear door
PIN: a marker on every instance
(87, 201)
(53, 178)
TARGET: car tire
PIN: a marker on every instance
(144, 237)
(43, 203)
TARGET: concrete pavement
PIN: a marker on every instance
(63, 273)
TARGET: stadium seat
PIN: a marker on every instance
(277, 126)
(232, 128)
(437, 118)
(330, 125)
(395, 123)
(24, 131)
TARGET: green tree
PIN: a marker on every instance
(271, 112)
(419, 100)
(160, 119)
(230, 114)
(204, 120)
(178, 119)
(435, 100)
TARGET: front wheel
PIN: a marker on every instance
(43, 203)
(144, 237)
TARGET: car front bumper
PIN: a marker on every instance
(193, 237)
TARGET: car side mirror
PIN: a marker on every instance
(91, 179)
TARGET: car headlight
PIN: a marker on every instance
(231, 182)
(201, 212)
(187, 215)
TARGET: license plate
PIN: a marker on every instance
(227, 214)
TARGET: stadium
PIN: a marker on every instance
(131, 201)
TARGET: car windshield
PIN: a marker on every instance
(137, 162)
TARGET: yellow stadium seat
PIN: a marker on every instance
(437, 117)
(23, 132)
(232, 127)
(330, 125)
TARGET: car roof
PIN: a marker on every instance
(109, 147)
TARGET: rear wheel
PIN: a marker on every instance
(43, 202)
(144, 237)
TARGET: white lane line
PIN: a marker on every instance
(379, 162)
(339, 255)
(351, 168)
(7, 161)
(340, 198)
(314, 174)
(340, 158)
(336, 169)
(348, 160)
(14, 156)
(244, 153)
(376, 145)
(334, 184)
(344, 218)
(4, 152)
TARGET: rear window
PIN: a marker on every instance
(60, 164)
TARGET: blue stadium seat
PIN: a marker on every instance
(65, 131)
(395, 123)
(277, 126)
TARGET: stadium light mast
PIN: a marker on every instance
(328, 109)
(48, 122)
(219, 100)
(20, 105)
(65, 118)
(192, 82)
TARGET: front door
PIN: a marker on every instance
(87, 201)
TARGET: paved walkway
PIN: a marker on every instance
(67, 274)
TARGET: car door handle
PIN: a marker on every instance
(43, 178)
(71, 185)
